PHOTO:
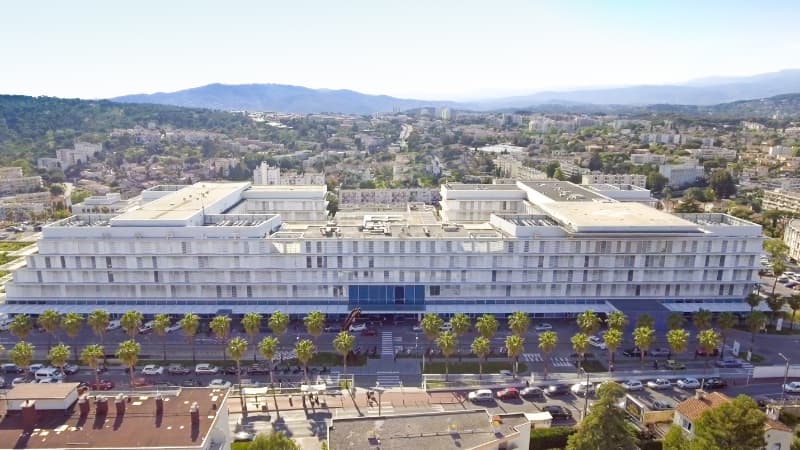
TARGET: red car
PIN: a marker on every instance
(508, 393)
(701, 352)
(369, 332)
(103, 385)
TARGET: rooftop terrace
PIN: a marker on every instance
(562, 191)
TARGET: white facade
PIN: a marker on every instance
(681, 175)
(614, 178)
(80, 154)
(647, 158)
(713, 152)
(546, 247)
(268, 175)
(354, 198)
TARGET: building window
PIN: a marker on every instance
(155, 276)
(308, 262)
(435, 290)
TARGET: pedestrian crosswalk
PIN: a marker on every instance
(387, 344)
(555, 361)
(331, 379)
(388, 379)
(386, 408)
(437, 407)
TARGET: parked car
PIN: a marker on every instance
(632, 385)
(688, 383)
(103, 385)
(231, 370)
(701, 352)
(662, 405)
(558, 412)
(332, 329)
(369, 332)
(146, 327)
(152, 369)
(11, 368)
(257, 369)
(71, 369)
(206, 369)
(582, 388)
(49, 380)
(728, 363)
(597, 342)
(33, 368)
(633, 352)
(659, 383)
(792, 387)
(506, 373)
(508, 393)
(219, 383)
(47, 373)
(20, 380)
(532, 393)
(481, 395)
(660, 352)
(543, 327)
(113, 325)
(671, 364)
(174, 327)
(190, 383)
(178, 369)
(557, 389)
(358, 327)
(714, 383)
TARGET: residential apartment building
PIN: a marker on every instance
(712, 153)
(549, 248)
(12, 181)
(681, 175)
(80, 154)
(267, 175)
(647, 158)
(614, 178)
(791, 237)
(782, 200)
(780, 151)
(386, 198)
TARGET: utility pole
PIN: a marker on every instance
(785, 379)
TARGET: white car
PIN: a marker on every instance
(543, 327)
(597, 342)
(358, 327)
(113, 325)
(506, 373)
(219, 383)
(793, 387)
(33, 368)
(174, 327)
(152, 369)
(206, 369)
(481, 395)
(19, 380)
(688, 383)
(49, 380)
(659, 383)
(146, 327)
(447, 326)
(582, 388)
(416, 328)
(632, 385)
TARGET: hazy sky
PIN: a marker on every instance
(432, 49)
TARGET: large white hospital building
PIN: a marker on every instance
(550, 248)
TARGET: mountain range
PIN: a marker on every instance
(298, 99)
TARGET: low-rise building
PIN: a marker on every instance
(12, 181)
(647, 158)
(780, 151)
(782, 200)
(681, 175)
(81, 153)
(614, 178)
(268, 175)
(713, 152)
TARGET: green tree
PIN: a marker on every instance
(643, 338)
(487, 326)
(275, 440)
(58, 356)
(755, 322)
(72, 323)
(702, 319)
(722, 183)
(675, 320)
(21, 354)
(431, 325)
(515, 346)
(605, 427)
(343, 343)
(21, 326)
(447, 344)
(725, 323)
(688, 205)
(612, 339)
(50, 321)
(251, 322)
(481, 347)
(461, 325)
(794, 304)
(519, 322)
(268, 347)
(90, 356)
(305, 350)
(128, 352)
(131, 321)
(580, 343)
(160, 324)
(753, 300)
(617, 320)
(588, 322)
(548, 341)
(736, 425)
(279, 322)
(315, 324)
(676, 439)
(645, 320)
(678, 340)
(708, 340)
(237, 347)
(190, 324)
(777, 251)
(221, 327)
(778, 268)
(775, 304)
(98, 321)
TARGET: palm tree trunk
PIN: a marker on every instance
(546, 357)
(164, 346)
(344, 362)
(131, 374)
(446, 369)
(96, 376)
(241, 393)
(103, 344)
(305, 372)
(480, 368)
(194, 355)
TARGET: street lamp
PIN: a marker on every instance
(785, 378)
(379, 390)
(586, 394)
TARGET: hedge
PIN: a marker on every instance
(549, 438)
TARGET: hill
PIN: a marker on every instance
(277, 97)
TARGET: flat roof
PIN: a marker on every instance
(440, 431)
(41, 391)
(481, 187)
(182, 204)
(616, 217)
(564, 191)
(139, 427)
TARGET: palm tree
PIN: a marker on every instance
(643, 338)
(461, 325)
(90, 355)
(775, 304)
(548, 341)
(515, 345)
(49, 320)
(131, 321)
(580, 343)
(675, 320)
(268, 347)
(98, 321)
(612, 339)
(702, 319)
(486, 326)
(22, 354)
(72, 323)
(678, 340)
(278, 322)
(58, 356)
(447, 344)
(617, 320)
(725, 323)
(588, 322)
(160, 324)
(518, 323)
(221, 327)
(645, 320)
(128, 352)
(315, 324)
(481, 347)
(794, 304)
(431, 325)
(190, 324)
(237, 347)
(305, 350)
(20, 326)
(275, 440)
(778, 267)
(755, 322)
(753, 300)
(708, 340)
(251, 322)
(343, 344)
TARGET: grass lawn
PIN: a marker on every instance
(472, 367)
(12, 246)
(5, 259)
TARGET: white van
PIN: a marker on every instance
(48, 373)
